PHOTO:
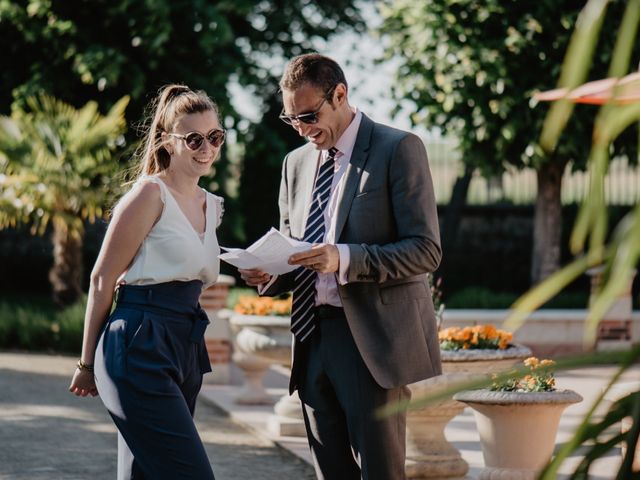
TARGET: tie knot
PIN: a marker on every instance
(332, 153)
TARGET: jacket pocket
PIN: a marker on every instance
(370, 193)
(403, 292)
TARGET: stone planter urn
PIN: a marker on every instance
(262, 341)
(259, 341)
(517, 429)
(429, 454)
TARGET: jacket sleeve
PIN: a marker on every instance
(415, 248)
(283, 283)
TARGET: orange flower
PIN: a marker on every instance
(547, 363)
(539, 378)
(477, 337)
(249, 305)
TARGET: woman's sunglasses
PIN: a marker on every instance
(193, 140)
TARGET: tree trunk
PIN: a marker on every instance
(547, 227)
(454, 209)
(66, 274)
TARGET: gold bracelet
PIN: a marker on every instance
(84, 366)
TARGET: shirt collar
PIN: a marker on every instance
(347, 140)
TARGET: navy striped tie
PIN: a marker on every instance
(304, 292)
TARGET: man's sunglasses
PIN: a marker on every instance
(308, 117)
(193, 140)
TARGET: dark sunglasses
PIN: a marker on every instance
(193, 140)
(308, 117)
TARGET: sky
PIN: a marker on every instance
(369, 82)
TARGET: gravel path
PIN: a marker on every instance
(46, 433)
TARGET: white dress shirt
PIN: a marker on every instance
(327, 283)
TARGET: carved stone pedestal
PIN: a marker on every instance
(287, 420)
(254, 369)
(262, 341)
(429, 454)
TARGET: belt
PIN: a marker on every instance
(149, 298)
(328, 311)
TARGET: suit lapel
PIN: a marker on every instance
(307, 175)
(354, 172)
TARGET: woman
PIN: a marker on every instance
(148, 358)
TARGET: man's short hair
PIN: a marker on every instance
(313, 69)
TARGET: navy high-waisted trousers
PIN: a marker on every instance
(149, 364)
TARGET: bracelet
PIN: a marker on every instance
(84, 366)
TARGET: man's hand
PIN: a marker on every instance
(322, 258)
(254, 277)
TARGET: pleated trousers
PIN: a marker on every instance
(149, 364)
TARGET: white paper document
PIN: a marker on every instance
(269, 253)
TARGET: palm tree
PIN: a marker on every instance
(57, 167)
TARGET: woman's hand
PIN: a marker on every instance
(83, 383)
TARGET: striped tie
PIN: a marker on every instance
(302, 314)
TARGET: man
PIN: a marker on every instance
(363, 319)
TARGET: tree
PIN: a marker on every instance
(57, 167)
(470, 69)
(101, 50)
(619, 254)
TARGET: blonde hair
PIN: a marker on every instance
(171, 102)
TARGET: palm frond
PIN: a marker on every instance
(57, 161)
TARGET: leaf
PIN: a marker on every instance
(574, 69)
(584, 432)
(627, 35)
(544, 291)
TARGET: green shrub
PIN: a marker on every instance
(34, 329)
(38, 325)
(478, 297)
(70, 323)
(569, 300)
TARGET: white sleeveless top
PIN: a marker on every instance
(173, 250)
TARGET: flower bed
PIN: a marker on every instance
(478, 337)
(248, 305)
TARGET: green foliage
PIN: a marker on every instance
(538, 377)
(103, 50)
(69, 326)
(79, 50)
(237, 292)
(471, 67)
(56, 163)
(480, 297)
(56, 166)
(621, 254)
(40, 326)
(592, 437)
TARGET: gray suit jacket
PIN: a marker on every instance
(387, 216)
